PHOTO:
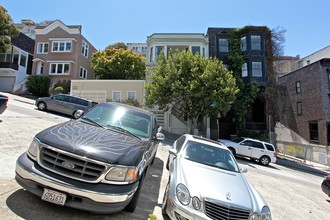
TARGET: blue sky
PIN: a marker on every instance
(108, 21)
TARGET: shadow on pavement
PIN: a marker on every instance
(31, 207)
(300, 167)
(252, 163)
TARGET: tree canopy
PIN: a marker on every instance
(194, 85)
(118, 64)
(118, 45)
(7, 30)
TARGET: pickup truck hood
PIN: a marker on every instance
(214, 183)
(94, 142)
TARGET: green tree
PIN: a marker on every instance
(118, 64)
(118, 45)
(191, 83)
(38, 85)
(7, 30)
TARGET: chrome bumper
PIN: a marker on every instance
(31, 173)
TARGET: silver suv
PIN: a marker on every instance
(65, 104)
(252, 148)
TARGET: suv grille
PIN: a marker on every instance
(69, 166)
(224, 211)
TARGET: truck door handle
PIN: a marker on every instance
(249, 148)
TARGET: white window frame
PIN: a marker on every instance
(56, 69)
(84, 48)
(244, 70)
(255, 42)
(83, 72)
(256, 72)
(41, 48)
(66, 43)
(199, 51)
(157, 52)
(113, 93)
(224, 46)
(133, 92)
(23, 54)
(243, 44)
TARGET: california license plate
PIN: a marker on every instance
(53, 197)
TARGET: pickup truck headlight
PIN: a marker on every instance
(183, 194)
(34, 148)
(122, 174)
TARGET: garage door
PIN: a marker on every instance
(95, 95)
(6, 83)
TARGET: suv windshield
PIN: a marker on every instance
(120, 118)
(210, 155)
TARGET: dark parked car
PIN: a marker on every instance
(95, 163)
(3, 103)
(326, 185)
(64, 104)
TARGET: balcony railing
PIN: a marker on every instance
(9, 65)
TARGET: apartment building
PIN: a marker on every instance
(62, 52)
(139, 48)
(172, 120)
(255, 46)
(308, 95)
(316, 56)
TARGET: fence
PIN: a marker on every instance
(314, 153)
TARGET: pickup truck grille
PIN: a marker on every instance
(223, 211)
(72, 167)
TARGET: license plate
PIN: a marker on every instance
(53, 197)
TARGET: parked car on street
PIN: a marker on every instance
(252, 148)
(326, 185)
(64, 104)
(3, 103)
(205, 182)
(95, 163)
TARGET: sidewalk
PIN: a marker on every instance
(19, 98)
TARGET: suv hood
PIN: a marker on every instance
(94, 142)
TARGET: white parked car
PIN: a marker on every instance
(252, 148)
(205, 182)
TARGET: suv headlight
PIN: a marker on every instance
(122, 174)
(265, 213)
(183, 194)
(34, 148)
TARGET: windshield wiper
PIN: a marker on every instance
(93, 122)
(123, 130)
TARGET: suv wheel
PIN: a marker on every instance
(264, 160)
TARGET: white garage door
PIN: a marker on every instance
(95, 95)
(6, 83)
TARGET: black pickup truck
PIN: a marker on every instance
(3, 103)
(95, 163)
